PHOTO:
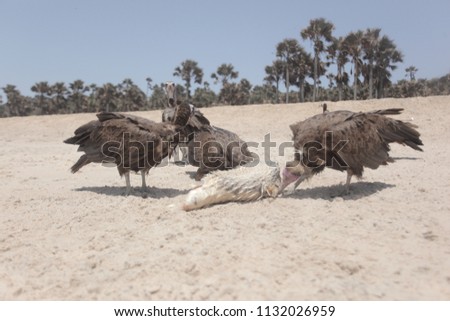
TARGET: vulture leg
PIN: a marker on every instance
(144, 185)
(175, 153)
(184, 152)
(127, 181)
(181, 153)
(347, 183)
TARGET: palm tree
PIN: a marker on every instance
(274, 74)
(92, 105)
(353, 47)
(338, 53)
(149, 85)
(107, 97)
(204, 96)
(43, 91)
(188, 71)
(133, 98)
(386, 58)
(59, 92)
(16, 104)
(263, 94)
(158, 98)
(370, 43)
(285, 51)
(224, 73)
(77, 97)
(236, 93)
(411, 72)
(318, 31)
(243, 96)
(301, 62)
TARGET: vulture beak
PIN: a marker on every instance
(287, 178)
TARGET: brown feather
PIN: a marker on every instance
(132, 143)
(367, 137)
(226, 149)
(214, 148)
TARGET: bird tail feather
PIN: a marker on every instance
(403, 133)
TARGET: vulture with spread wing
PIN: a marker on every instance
(209, 147)
(130, 142)
(346, 141)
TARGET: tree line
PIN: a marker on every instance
(358, 65)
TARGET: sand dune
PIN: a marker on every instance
(70, 236)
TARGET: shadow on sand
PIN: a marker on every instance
(357, 190)
(191, 174)
(152, 192)
(406, 158)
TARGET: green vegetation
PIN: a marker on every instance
(354, 66)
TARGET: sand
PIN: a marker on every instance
(70, 236)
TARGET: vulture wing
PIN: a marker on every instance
(235, 149)
(199, 121)
(359, 139)
(127, 140)
(140, 121)
(362, 146)
(129, 145)
(313, 128)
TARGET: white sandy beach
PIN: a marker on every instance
(70, 236)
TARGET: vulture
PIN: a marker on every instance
(197, 119)
(346, 141)
(209, 147)
(324, 108)
(130, 142)
(195, 123)
(217, 149)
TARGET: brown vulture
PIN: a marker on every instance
(346, 141)
(216, 149)
(197, 121)
(130, 142)
(209, 147)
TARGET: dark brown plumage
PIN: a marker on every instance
(346, 141)
(217, 149)
(130, 142)
(209, 147)
(197, 121)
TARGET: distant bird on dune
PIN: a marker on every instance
(346, 141)
(130, 142)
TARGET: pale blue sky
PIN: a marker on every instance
(110, 40)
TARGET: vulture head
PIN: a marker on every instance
(292, 172)
(171, 93)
